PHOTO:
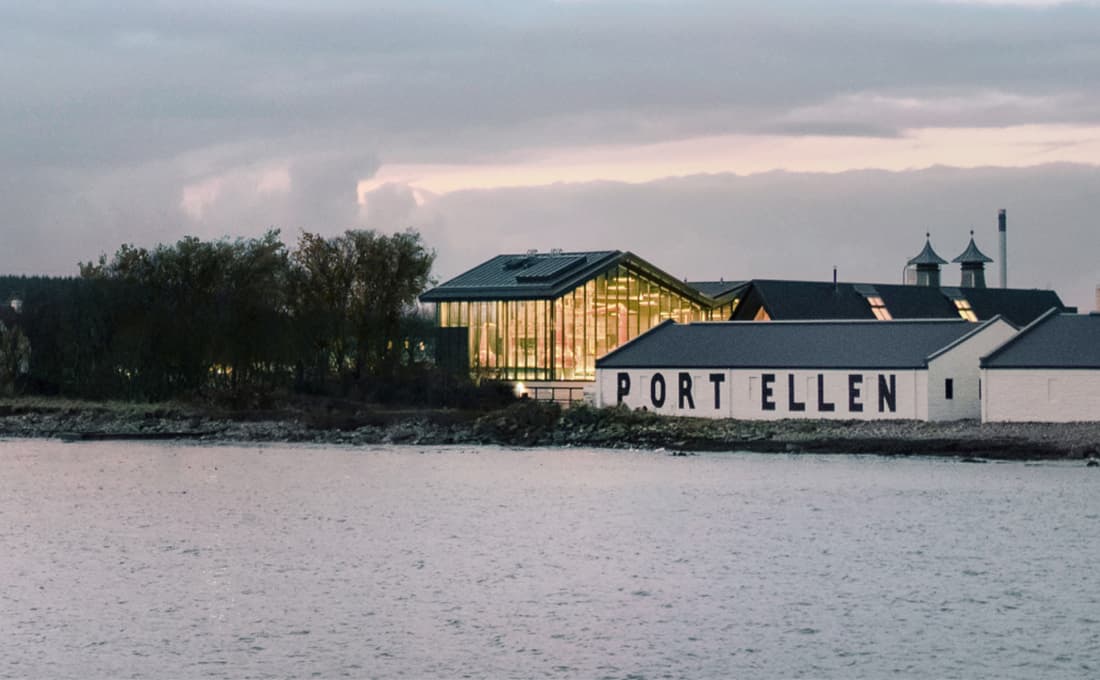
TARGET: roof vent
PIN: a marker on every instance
(973, 265)
(519, 263)
(549, 268)
(928, 264)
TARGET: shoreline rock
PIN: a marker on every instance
(533, 424)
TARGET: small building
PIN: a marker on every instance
(1049, 372)
(922, 370)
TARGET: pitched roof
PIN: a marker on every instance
(927, 255)
(536, 276)
(1054, 341)
(789, 344)
(972, 255)
(719, 289)
(794, 300)
(531, 275)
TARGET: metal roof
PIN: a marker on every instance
(536, 276)
(1054, 341)
(972, 255)
(927, 255)
(789, 344)
(719, 289)
(796, 300)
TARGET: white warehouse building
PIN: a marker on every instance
(1049, 372)
(919, 369)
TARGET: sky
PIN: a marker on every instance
(716, 139)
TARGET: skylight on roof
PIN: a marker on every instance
(546, 268)
(878, 308)
(964, 309)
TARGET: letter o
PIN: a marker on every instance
(658, 400)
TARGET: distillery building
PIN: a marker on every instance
(1049, 372)
(922, 370)
(549, 316)
(925, 297)
(544, 319)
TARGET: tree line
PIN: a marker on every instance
(334, 315)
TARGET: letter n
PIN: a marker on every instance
(887, 393)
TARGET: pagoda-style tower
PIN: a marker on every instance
(928, 265)
(973, 265)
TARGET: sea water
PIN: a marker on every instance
(184, 561)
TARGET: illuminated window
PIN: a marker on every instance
(878, 308)
(965, 311)
(874, 300)
(762, 315)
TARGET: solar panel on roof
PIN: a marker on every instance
(549, 268)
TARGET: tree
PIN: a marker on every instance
(353, 291)
(15, 357)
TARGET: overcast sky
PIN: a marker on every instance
(732, 139)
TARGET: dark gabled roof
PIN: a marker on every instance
(790, 344)
(1054, 341)
(927, 256)
(1019, 306)
(972, 255)
(539, 276)
(527, 276)
(798, 300)
(719, 289)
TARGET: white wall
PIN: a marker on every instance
(1040, 395)
(741, 393)
(962, 365)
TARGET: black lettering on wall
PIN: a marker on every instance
(717, 379)
(622, 387)
(887, 393)
(658, 400)
(855, 384)
(791, 403)
(685, 391)
(822, 405)
(766, 391)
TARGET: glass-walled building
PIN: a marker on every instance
(548, 317)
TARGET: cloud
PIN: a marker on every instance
(794, 225)
(90, 85)
(146, 120)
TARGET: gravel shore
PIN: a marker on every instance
(534, 424)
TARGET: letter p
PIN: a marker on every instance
(622, 387)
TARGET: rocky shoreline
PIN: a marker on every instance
(531, 424)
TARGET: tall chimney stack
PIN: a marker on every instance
(1002, 227)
